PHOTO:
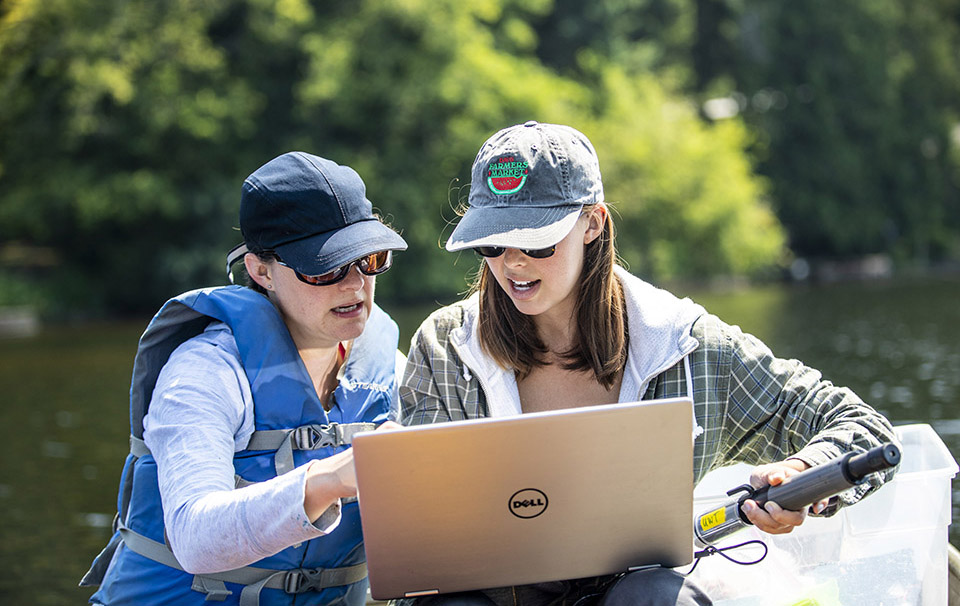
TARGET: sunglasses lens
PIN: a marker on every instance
(316, 280)
(327, 278)
(540, 253)
(496, 251)
(489, 251)
(371, 265)
(376, 263)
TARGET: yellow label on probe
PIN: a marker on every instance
(714, 518)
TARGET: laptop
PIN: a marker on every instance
(526, 499)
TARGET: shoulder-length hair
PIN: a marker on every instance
(600, 342)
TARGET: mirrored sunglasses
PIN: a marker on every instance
(496, 251)
(370, 265)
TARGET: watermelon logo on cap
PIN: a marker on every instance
(506, 175)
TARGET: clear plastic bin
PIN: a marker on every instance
(889, 549)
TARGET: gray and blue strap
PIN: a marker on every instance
(285, 441)
(306, 437)
(303, 580)
(253, 579)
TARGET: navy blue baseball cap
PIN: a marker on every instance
(312, 212)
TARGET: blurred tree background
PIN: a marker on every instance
(733, 135)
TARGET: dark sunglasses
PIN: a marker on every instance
(496, 251)
(370, 265)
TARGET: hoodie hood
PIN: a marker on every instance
(659, 326)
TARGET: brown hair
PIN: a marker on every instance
(600, 344)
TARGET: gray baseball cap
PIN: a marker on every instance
(528, 185)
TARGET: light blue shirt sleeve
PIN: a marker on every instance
(201, 413)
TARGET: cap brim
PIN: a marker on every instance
(325, 252)
(513, 227)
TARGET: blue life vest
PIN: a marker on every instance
(292, 427)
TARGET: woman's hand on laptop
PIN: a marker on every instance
(772, 518)
(332, 478)
(328, 480)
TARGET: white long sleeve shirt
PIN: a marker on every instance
(201, 413)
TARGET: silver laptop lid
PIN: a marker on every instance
(538, 497)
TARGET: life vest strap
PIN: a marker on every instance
(285, 441)
(298, 580)
(214, 589)
(305, 437)
(138, 447)
(308, 437)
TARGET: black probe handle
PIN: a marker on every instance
(824, 481)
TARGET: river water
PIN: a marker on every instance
(64, 423)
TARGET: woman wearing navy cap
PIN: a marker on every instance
(554, 322)
(240, 487)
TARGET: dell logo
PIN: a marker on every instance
(528, 503)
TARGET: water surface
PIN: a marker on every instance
(64, 420)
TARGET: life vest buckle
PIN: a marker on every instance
(312, 437)
(292, 582)
(303, 580)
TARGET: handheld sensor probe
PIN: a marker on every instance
(802, 490)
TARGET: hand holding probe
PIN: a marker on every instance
(802, 490)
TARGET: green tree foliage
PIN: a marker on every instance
(853, 104)
(120, 127)
(689, 207)
(642, 36)
(127, 128)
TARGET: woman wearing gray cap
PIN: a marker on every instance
(554, 322)
(240, 487)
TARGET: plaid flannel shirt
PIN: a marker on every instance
(754, 408)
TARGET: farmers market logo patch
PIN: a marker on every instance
(506, 175)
